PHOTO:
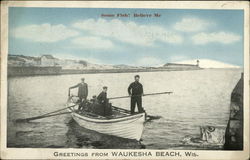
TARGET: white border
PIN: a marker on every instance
(30, 153)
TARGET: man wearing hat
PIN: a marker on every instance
(102, 97)
(105, 108)
(82, 90)
(135, 90)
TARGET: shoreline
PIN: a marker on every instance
(46, 71)
(40, 71)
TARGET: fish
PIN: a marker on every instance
(209, 135)
(213, 135)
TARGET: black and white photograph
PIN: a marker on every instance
(127, 78)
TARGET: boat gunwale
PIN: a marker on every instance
(111, 120)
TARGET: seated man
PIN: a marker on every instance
(94, 99)
(102, 99)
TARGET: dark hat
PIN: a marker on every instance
(82, 79)
(105, 87)
(137, 76)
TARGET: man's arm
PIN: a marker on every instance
(142, 93)
(87, 91)
(129, 89)
(101, 97)
(74, 86)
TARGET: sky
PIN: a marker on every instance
(83, 33)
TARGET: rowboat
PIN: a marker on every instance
(120, 123)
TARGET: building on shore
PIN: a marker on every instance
(48, 60)
(182, 66)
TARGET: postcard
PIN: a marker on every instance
(124, 80)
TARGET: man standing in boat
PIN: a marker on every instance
(82, 90)
(135, 90)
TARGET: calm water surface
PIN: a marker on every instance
(200, 97)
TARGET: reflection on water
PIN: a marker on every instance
(199, 98)
(79, 137)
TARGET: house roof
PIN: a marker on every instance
(48, 56)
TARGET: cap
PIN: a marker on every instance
(82, 79)
(105, 87)
(137, 76)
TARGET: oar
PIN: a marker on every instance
(46, 115)
(141, 95)
(40, 117)
(150, 118)
(59, 110)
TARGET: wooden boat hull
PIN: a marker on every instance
(130, 126)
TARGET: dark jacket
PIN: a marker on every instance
(135, 88)
(102, 97)
(82, 90)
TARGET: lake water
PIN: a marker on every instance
(200, 97)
